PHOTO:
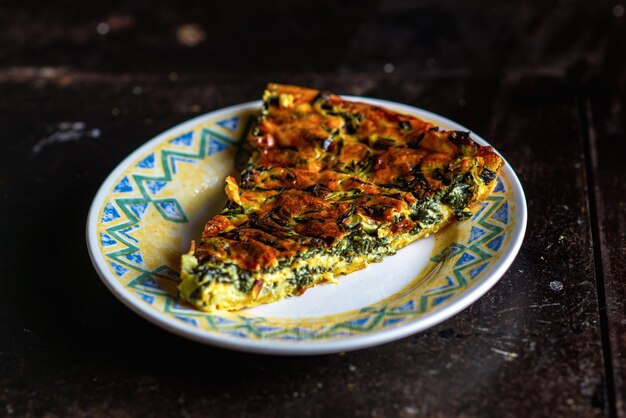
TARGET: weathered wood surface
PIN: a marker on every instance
(543, 83)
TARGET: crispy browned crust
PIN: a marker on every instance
(295, 168)
(318, 166)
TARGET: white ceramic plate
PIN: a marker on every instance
(158, 199)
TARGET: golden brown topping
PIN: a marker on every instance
(322, 165)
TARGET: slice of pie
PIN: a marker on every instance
(330, 185)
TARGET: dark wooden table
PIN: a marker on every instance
(83, 83)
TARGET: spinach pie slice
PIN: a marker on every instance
(329, 186)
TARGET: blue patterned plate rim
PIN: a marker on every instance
(310, 347)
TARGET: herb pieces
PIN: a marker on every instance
(427, 212)
(457, 196)
(487, 175)
(405, 125)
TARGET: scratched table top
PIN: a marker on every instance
(85, 83)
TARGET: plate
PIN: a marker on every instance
(150, 207)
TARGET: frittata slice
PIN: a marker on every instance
(330, 186)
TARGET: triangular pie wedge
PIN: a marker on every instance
(330, 186)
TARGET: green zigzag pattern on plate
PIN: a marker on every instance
(120, 232)
(404, 307)
(374, 318)
(477, 254)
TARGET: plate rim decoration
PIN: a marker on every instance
(466, 296)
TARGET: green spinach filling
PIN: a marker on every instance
(361, 240)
